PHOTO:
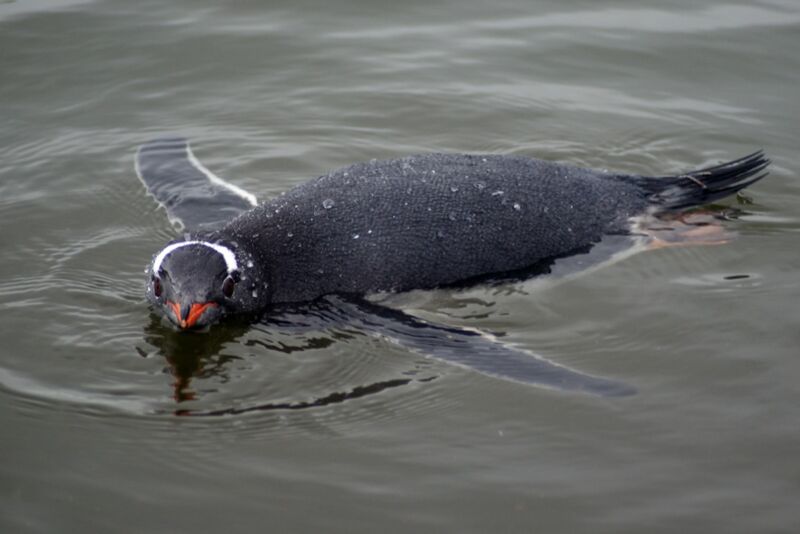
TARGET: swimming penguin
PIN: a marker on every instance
(418, 222)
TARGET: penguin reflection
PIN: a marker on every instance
(192, 356)
(200, 355)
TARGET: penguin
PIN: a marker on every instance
(418, 222)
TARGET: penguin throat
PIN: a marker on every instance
(226, 253)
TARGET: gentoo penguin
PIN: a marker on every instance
(418, 222)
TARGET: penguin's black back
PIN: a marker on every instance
(428, 220)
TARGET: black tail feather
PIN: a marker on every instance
(705, 186)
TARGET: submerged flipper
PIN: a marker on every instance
(472, 349)
(194, 197)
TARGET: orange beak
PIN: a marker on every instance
(195, 312)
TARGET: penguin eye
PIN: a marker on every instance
(157, 287)
(227, 287)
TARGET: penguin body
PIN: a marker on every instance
(426, 221)
(412, 223)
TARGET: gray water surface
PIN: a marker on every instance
(93, 390)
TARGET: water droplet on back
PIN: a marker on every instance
(328, 203)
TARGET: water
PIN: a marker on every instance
(336, 430)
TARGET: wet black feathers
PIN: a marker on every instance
(703, 186)
(438, 219)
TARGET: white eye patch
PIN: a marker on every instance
(227, 254)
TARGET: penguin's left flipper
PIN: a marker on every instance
(474, 350)
(194, 197)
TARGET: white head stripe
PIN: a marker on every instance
(227, 254)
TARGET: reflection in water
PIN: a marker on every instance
(331, 398)
(198, 355)
(333, 319)
(192, 354)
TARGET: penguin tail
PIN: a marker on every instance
(704, 186)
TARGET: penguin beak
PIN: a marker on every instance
(187, 316)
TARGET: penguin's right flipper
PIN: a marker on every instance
(194, 197)
(472, 349)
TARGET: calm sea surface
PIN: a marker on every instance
(95, 393)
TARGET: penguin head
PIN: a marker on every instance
(194, 283)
